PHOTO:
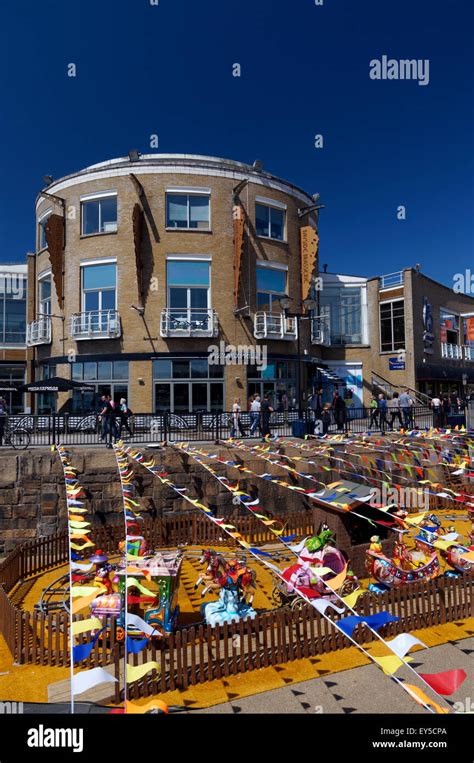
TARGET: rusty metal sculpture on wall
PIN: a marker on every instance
(54, 232)
(137, 224)
(239, 227)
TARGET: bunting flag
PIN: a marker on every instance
(445, 683)
(80, 596)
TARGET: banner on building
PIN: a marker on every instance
(239, 227)
(309, 241)
(470, 329)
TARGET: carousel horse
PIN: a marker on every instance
(232, 575)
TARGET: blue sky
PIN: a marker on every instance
(167, 69)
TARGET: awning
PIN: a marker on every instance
(431, 372)
(56, 384)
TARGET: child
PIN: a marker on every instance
(326, 417)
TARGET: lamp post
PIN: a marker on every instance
(308, 304)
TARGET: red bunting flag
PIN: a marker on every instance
(445, 683)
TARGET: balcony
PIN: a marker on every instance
(320, 332)
(96, 324)
(39, 331)
(451, 351)
(275, 326)
(193, 322)
(391, 280)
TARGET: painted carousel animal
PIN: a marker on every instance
(226, 574)
(404, 568)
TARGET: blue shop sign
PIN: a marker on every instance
(395, 364)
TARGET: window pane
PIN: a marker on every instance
(181, 398)
(162, 369)
(181, 369)
(277, 217)
(120, 369)
(199, 394)
(45, 288)
(178, 298)
(90, 217)
(199, 212)
(119, 391)
(162, 397)
(104, 370)
(217, 397)
(77, 371)
(177, 211)
(263, 302)
(187, 273)
(108, 214)
(199, 369)
(91, 301)
(90, 371)
(262, 220)
(216, 372)
(199, 297)
(108, 299)
(271, 279)
(99, 276)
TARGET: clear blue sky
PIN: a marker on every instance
(305, 69)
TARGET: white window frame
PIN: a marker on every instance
(387, 302)
(270, 266)
(42, 277)
(272, 204)
(98, 197)
(185, 191)
(189, 258)
(43, 217)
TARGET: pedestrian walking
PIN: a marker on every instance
(265, 413)
(406, 405)
(382, 406)
(255, 408)
(236, 419)
(107, 415)
(3, 418)
(374, 412)
(394, 411)
(437, 406)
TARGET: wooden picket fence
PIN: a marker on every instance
(196, 655)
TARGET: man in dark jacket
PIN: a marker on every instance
(339, 407)
(266, 411)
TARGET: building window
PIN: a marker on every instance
(42, 243)
(449, 327)
(44, 294)
(277, 381)
(12, 309)
(46, 401)
(188, 285)
(270, 222)
(188, 211)
(392, 325)
(99, 287)
(341, 308)
(12, 375)
(99, 215)
(108, 378)
(271, 285)
(188, 386)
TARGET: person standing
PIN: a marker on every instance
(382, 406)
(255, 408)
(236, 420)
(437, 407)
(124, 413)
(339, 407)
(326, 417)
(406, 404)
(3, 418)
(394, 410)
(107, 415)
(266, 411)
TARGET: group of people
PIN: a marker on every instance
(446, 405)
(260, 413)
(114, 419)
(398, 407)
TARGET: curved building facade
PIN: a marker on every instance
(178, 282)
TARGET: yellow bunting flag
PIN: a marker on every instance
(82, 626)
(86, 590)
(135, 672)
(337, 581)
(83, 602)
(391, 663)
(351, 598)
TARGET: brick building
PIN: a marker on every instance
(146, 266)
(13, 352)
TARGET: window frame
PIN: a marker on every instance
(84, 265)
(43, 277)
(42, 219)
(189, 288)
(188, 192)
(274, 266)
(391, 302)
(98, 197)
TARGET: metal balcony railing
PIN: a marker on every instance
(274, 326)
(451, 351)
(39, 331)
(191, 322)
(468, 353)
(95, 324)
(392, 279)
(320, 331)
